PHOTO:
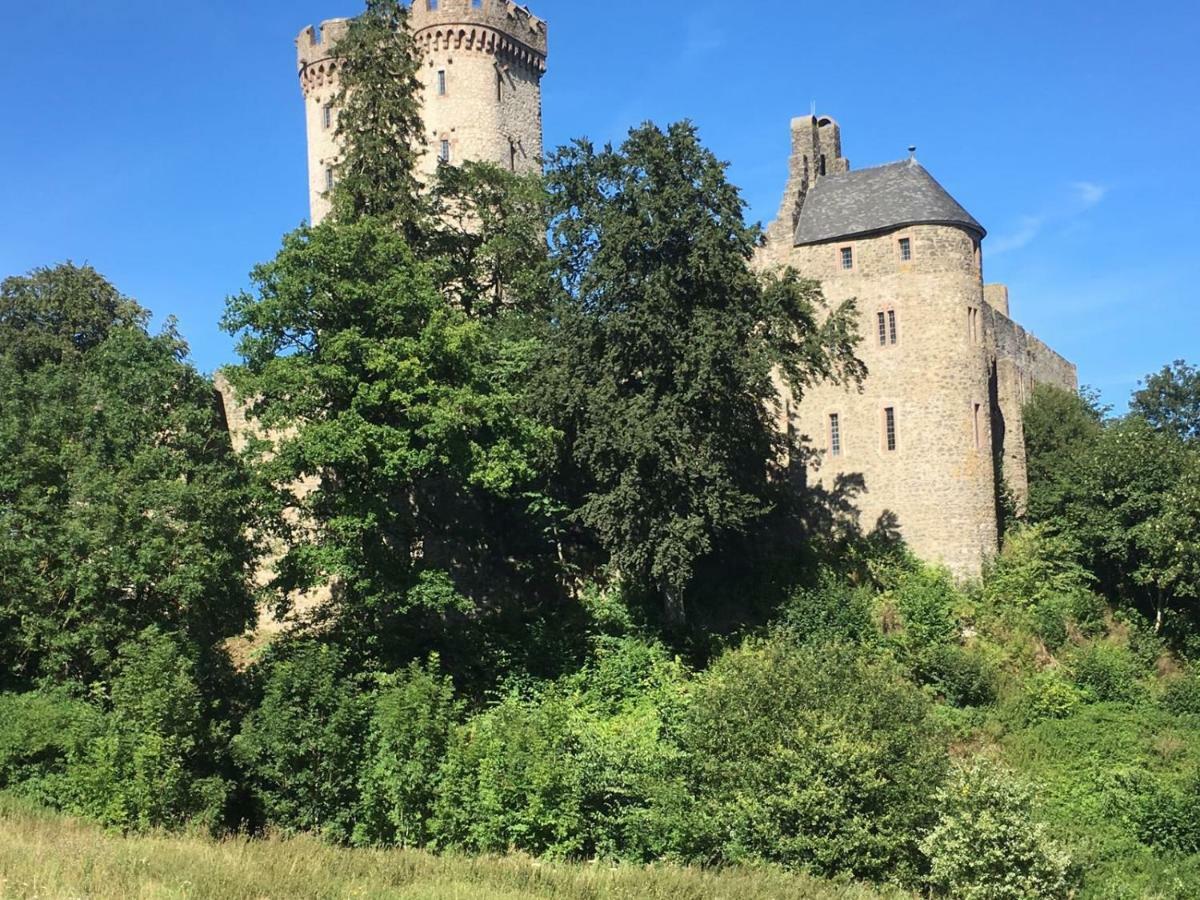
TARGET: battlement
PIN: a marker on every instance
(317, 45)
(511, 19)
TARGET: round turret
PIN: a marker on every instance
(484, 61)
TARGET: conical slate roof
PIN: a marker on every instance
(878, 199)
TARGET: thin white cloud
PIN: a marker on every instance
(1084, 196)
(1088, 193)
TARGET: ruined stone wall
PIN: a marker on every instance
(1021, 361)
(939, 483)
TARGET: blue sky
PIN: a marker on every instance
(164, 143)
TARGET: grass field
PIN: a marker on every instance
(47, 856)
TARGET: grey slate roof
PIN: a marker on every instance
(877, 199)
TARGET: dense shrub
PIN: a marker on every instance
(962, 676)
(1107, 673)
(818, 759)
(573, 770)
(302, 747)
(986, 845)
(154, 765)
(41, 734)
(831, 611)
(1182, 695)
(414, 714)
(1047, 695)
(1167, 815)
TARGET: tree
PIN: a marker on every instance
(379, 126)
(58, 312)
(121, 502)
(1132, 505)
(398, 410)
(663, 349)
(1059, 427)
(1170, 400)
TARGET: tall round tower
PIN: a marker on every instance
(480, 80)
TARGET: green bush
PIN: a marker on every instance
(813, 758)
(574, 770)
(1182, 696)
(1167, 816)
(1107, 673)
(413, 717)
(154, 765)
(1047, 695)
(301, 748)
(831, 611)
(986, 845)
(961, 676)
(41, 734)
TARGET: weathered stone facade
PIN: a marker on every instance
(942, 354)
(481, 88)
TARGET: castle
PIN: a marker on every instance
(934, 441)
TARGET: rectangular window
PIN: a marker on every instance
(973, 324)
(477, 4)
(847, 258)
(977, 424)
(444, 151)
(329, 178)
(892, 325)
(882, 329)
(889, 428)
(441, 82)
(327, 116)
(499, 86)
(835, 435)
(431, 5)
(905, 250)
(512, 156)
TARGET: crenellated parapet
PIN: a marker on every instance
(316, 54)
(483, 39)
(501, 24)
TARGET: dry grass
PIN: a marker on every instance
(47, 856)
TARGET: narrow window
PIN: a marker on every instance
(512, 156)
(499, 86)
(444, 151)
(441, 82)
(882, 329)
(977, 423)
(889, 428)
(329, 178)
(847, 258)
(905, 250)
(892, 325)
(477, 4)
(821, 171)
(431, 5)
(327, 116)
(835, 435)
(973, 324)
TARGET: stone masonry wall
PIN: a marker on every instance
(939, 482)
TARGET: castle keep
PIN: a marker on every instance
(934, 441)
(481, 86)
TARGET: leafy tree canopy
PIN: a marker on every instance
(121, 504)
(1170, 400)
(664, 349)
(1059, 426)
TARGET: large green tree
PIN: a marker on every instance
(379, 127)
(1060, 426)
(664, 349)
(1170, 400)
(397, 438)
(121, 503)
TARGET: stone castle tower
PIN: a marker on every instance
(481, 74)
(936, 434)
